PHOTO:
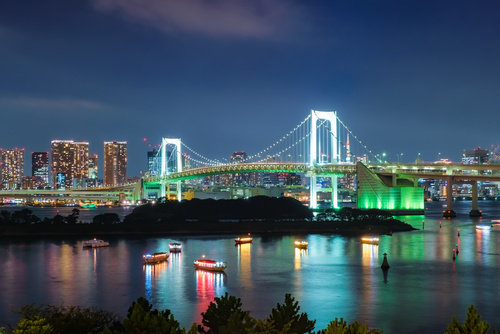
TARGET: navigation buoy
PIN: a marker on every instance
(457, 249)
(385, 264)
(439, 224)
(458, 232)
(423, 224)
(454, 257)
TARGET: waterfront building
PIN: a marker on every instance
(115, 162)
(475, 156)
(12, 168)
(153, 161)
(71, 159)
(40, 168)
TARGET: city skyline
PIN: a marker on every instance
(413, 77)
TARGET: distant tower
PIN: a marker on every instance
(40, 168)
(115, 162)
(348, 150)
(93, 166)
(12, 168)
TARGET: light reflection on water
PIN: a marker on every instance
(335, 277)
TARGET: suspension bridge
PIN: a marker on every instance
(321, 148)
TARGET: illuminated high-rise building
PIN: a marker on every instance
(93, 167)
(115, 162)
(40, 168)
(70, 159)
(12, 167)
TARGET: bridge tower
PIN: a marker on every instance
(331, 154)
(164, 170)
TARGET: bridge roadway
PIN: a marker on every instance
(459, 172)
(453, 173)
(90, 194)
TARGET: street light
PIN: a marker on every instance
(439, 154)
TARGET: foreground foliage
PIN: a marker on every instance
(223, 316)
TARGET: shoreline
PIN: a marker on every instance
(218, 228)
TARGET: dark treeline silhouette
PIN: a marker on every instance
(224, 315)
(260, 214)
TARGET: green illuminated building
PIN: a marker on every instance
(388, 192)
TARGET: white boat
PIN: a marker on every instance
(175, 247)
(94, 243)
(483, 226)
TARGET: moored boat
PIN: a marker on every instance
(94, 243)
(369, 240)
(155, 257)
(483, 226)
(175, 247)
(244, 240)
(210, 265)
(301, 244)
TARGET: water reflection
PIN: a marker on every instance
(208, 286)
(245, 263)
(152, 273)
(297, 259)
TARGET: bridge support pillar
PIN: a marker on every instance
(179, 191)
(163, 192)
(449, 212)
(313, 200)
(335, 200)
(475, 212)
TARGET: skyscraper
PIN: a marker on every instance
(115, 162)
(70, 159)
(12, 168)
(40, 168)
(93, 167)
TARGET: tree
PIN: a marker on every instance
(73, 217)
(341, 327)
(289, 312)
(37, 325)
(225, 310)
(67, 319)
(106, 218)
(472, 324)
(142, 318)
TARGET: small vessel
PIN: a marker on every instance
(495, 222)
(88, 205)
(483, 226)
(211, 265)
(243, 240)
(94, 243)
(155, 257)
(369, 240)
(175, 247)
(301, 244)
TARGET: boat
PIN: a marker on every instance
(94, 243)
(155, 257)
(210, 265)
(244, 240)
(301, 244)
(88, 205)
(369, 240)
(483, 226)
(495, 222)
(175, 247)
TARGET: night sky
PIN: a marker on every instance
(224, 75)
